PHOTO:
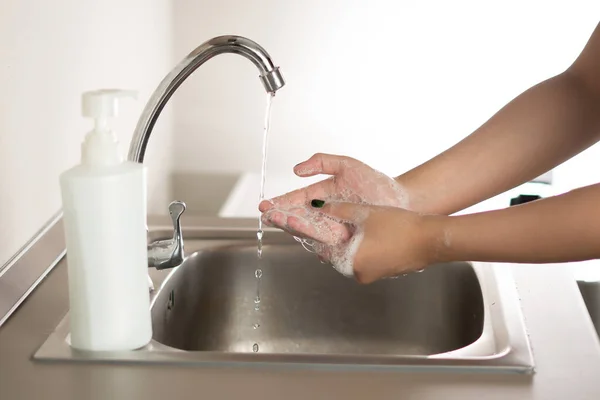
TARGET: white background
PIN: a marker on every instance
(389, 82)
(50, 52)
(392, 83)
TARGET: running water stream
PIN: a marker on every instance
(259, 233)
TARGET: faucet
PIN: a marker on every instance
(169, 253)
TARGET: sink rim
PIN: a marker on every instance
(503, 346)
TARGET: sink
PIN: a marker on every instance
(309, 308)
(452, 316)
(590, 291)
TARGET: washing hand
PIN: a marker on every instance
(351, 181)
(385, 241)
(388, 241)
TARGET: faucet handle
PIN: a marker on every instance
(176, 208)
(164, 254)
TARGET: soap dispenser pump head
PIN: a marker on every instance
(101, 147)
(103, 104)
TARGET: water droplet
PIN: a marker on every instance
(420, 270)
(257, 300)
(259, 236)
(257, 307)
(258, 273)
(256, 326)
(255, 347)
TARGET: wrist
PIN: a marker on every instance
(415, 198)
(409, 195)
(436, 238)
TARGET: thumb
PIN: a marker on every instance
(320, 163)
(342, 211)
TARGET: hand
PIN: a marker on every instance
(351, 181)
(385, 241)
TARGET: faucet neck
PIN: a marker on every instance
(269, 74)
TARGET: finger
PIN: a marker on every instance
(308, 224)
(341, 211)
(280, 219)
(320, 229)
(301, 197)
(291, 229)
(274, 219)
(266, 221)
(320, 163)
(265, 205)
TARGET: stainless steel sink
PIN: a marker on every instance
(590, 291)
(208, 304)
(455, 316)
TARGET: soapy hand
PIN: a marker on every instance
(351, 181)
(385, 241)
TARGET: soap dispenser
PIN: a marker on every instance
(104, 217)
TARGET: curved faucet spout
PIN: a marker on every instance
(169, 253)
(269, 75)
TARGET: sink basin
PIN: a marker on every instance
(453, 316)
(590, 291)
(309, 308)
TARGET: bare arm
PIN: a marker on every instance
(557, 229)
(538, 130)
(390, 241)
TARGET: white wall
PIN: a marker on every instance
(51, 51)
(389, 82)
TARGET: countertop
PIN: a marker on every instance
(565, 346)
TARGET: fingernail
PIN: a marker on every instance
(317, 203)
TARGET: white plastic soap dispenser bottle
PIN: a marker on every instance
(104, 216)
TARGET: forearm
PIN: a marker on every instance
(544, 126)
(556, 229)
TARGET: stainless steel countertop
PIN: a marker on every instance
(565, 345)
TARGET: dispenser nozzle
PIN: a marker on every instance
(103, 104)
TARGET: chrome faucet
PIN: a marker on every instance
(169, 253)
